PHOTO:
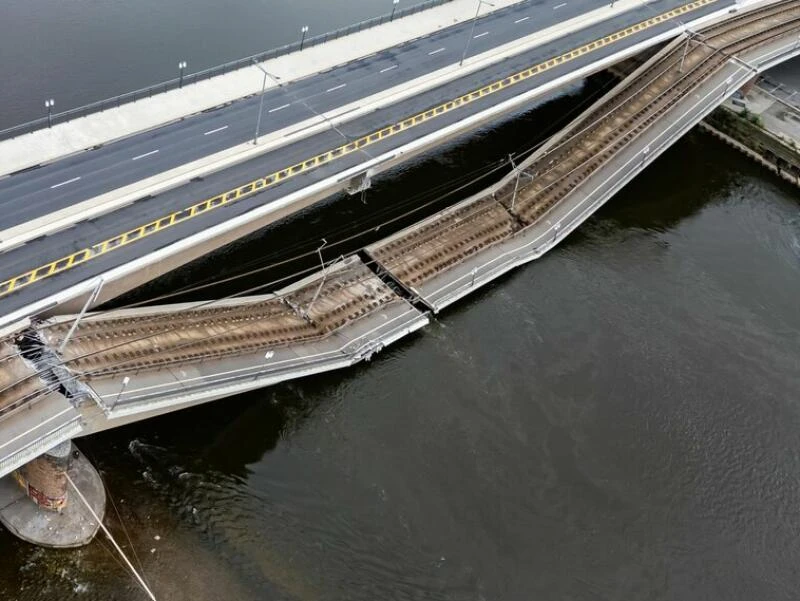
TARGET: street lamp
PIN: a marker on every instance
(181, 67)
(303, 32)
(261, 102)
(125, 381)
(394, 7)
(472, 30)
(49, 104)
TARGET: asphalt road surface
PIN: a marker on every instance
(34, 193)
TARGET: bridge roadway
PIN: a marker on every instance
(30, 193)
(596, 43)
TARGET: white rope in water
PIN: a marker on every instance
(113, 542)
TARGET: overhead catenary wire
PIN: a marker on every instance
(132, 569)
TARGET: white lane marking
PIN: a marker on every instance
(388, 68)
(279, 108)
(69, 181)
(557, 6)
(213, 131)
(480, 35)
(436, 51)
(146, 154)
(333, 89)
(522, 19)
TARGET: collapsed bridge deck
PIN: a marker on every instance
(548, 195)
(140, 359)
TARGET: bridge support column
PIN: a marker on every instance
(749, 85)
(44, 480)
(39, 505)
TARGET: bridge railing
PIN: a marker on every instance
(171, 84)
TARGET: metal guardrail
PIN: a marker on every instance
(171, 84)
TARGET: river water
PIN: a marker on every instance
(619, 420)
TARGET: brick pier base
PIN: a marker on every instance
(44, 479)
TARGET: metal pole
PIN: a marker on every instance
(394, 7)
(49, 106)
(471, 33)
(303, 32)
(92, 297)
(260, 109)
(683, 58)
(125, 381)
(322, 283)
(472, 30)
(516, 187)
(181, 67)
(516, 183)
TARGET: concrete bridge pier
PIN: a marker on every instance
(39, 504)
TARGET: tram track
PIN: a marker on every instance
(556, 171)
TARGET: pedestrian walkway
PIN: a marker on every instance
(46, 145)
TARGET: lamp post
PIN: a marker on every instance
(49, 104)
(472, 30)
(181, 67)
(261, 102)
(394, 8)
(125, 381)
(303, 32)
(685, 50)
